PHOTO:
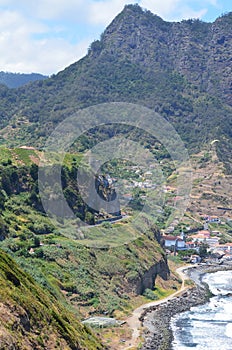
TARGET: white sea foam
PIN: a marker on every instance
(220, 283)
(228, 331)
(224, 312)
(209, 326)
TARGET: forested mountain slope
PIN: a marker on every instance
(14, 80)
(181, 70)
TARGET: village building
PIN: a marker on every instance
(194, 259)
(226, 248)
(191, 245)
(212, 241)
(147, 174)
(213, 219)
(200, 237)
(204, 233)
(204, 236)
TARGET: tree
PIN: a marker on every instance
(203, 250)
(4, 230)
(6, 185)
(36, 242)
(89, 218)
(184, 253)
(3, 198)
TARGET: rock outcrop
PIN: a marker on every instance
(147, 280)
(198, 50)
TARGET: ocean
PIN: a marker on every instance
(207, 326)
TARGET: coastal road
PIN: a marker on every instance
(133, 321)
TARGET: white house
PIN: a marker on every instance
(227, 248)
(195, 259)
(191, 245)
(212, 241)
(214, 219)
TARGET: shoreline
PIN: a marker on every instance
(156, 319)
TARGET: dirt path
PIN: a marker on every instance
(133, 320)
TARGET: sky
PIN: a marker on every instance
(45, 36)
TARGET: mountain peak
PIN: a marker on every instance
(135, 13)
(141, 58)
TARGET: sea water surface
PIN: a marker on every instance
(207, 326)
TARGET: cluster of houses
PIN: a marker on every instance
(225, 250)
(145, 181)
(177, 243)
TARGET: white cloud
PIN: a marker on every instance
(175, 10)
(49, 9)
(60, 9)
(91, 11)
(213, 2)
(103, 12)
(25, 47)
(44, 56)
(187, 12)
(12, 20)
(162, 8)
(47, 35)
(36, 36)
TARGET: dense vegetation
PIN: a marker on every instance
(23, 181)
(95, 269)
(140, 59)
(14, 80)
(31, 318)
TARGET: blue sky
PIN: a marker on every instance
(46, 36)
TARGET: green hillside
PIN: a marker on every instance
(180, 69)
(14, 80)
(31, 318)
(95, 268)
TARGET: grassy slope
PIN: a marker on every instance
(31, 318)
(84, 271)
(91, 279)
(86, 278)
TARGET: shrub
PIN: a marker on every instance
(149, 294)
(132, 276)
(107, 224)
(39, 253)
(41, 228)
(36, 242)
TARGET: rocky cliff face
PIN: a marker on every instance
(107, 192)
(198, 50)
(147, 280)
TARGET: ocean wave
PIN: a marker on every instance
(207, 326)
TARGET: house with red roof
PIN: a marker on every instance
(226, 248)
